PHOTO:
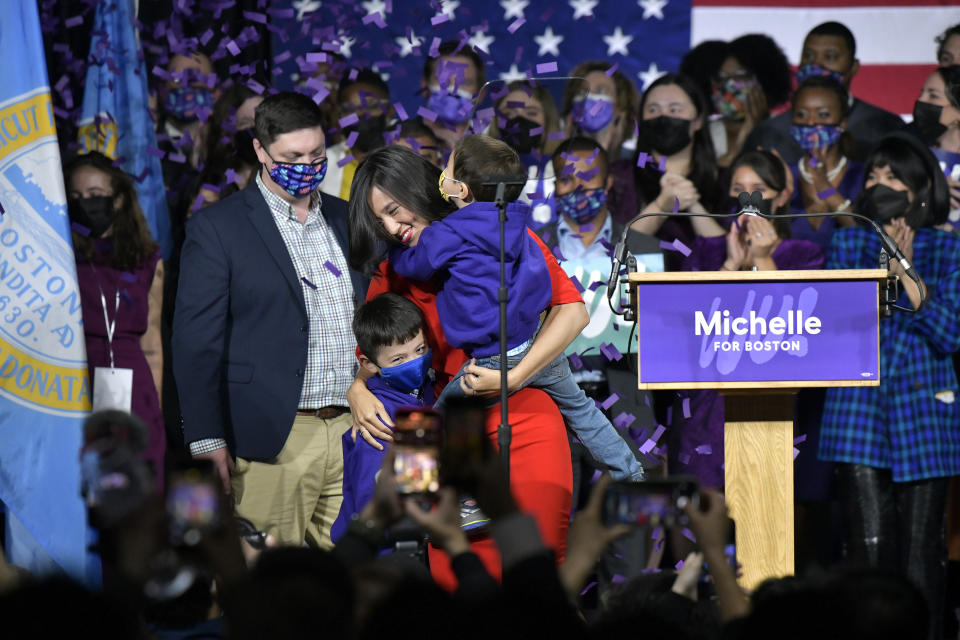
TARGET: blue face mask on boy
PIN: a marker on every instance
(408, 376)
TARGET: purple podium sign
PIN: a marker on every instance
(815, 331)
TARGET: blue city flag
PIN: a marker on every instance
(115, 118)
(43, 370)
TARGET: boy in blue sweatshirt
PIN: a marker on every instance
(464, 249)
(389, 332)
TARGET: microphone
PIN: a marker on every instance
(749, 204)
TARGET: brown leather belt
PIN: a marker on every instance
(324, 413)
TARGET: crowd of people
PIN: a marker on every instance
(336, 267)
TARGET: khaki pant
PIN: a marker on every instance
(296, 496)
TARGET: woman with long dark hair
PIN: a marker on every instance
(679, 166)
(394, 197)
(936, 120)
(898, 444)
(121, 286)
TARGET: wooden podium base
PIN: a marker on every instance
(758, 472)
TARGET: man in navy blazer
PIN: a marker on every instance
(263, 350)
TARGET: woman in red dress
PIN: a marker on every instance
(393, 198)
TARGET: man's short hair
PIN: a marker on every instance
(478, 157)
(452, 48)
(285, 112)
(386, 320)
(367, 77)
(579, 144)
(837, 30)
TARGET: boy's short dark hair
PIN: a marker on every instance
(479, 157)
(386, 320)
(579, 144)
(367, 77)
(285, 112)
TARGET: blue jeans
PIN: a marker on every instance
(581, 413)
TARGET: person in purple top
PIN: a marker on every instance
(389, 332)
(751, 243)
(464, 249)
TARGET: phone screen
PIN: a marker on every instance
(417, 437)
(193, 505)
(651, 503)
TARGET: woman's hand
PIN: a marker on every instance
(368, 412)
(902, 234)
(674, 187)
(480, 381)
(763, 240)
(736, 245)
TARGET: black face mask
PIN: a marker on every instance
(666, 135)
(369, 133)
(243, 141)
(883, 204)
(96, 214)
(926, 118)
(516, 133)
(732, 205)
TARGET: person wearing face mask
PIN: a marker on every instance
(827, 178)
(366, 114)
(753, 78)
(392, 347)
(936, 121)
(185, 104)
(121, 276)
(751, 243)
(450, 82)
(828, 49)
(602, 107)
(525, 118)
(896, 445)
(673, 135)
(262, 345)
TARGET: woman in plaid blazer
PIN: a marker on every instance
(899, 443)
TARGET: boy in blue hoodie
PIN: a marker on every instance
(464, 249)
(389, 332)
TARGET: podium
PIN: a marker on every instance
(757, 337)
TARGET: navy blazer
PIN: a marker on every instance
(240, 328)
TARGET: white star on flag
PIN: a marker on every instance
(652, 73)
(344, 42)
(512, 74)
(652, 8)
(582, 8)
(480, 40)
(305, 6)
(513, 8)
(448, 7)
(375, 6)
(617, 42)
(408, 45)
(549, 42)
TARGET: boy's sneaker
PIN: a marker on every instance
(472, 519)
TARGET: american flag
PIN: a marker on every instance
(895, 38)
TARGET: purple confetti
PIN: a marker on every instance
(826, 193)
(676, 204)
(547, 67)
(177, 157)
(126, 276)
(352, 138)
(684, 458)
(796, 452)
(663, 164)
(516, 24)
(704, 450)
(427, 114)
(308, 283)
(79, 228)
(331, 268)
(682, 248)
(316, 56)
(346, 121)
(588, 587)
(609, 402)
(347, 159)
(254, 16)
(75, 21)
(156, 153)
(440, 19)
(624, 420)
(197, 202)
(401, 112)
(642, 159)
(688, 535)
(233, 48)
(800, 438)
(686, 407)
(679, 565)
(617, 578)
(612, 70)
(576, 362)
(576, 283)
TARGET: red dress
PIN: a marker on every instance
(541, 474)
(131, 324)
